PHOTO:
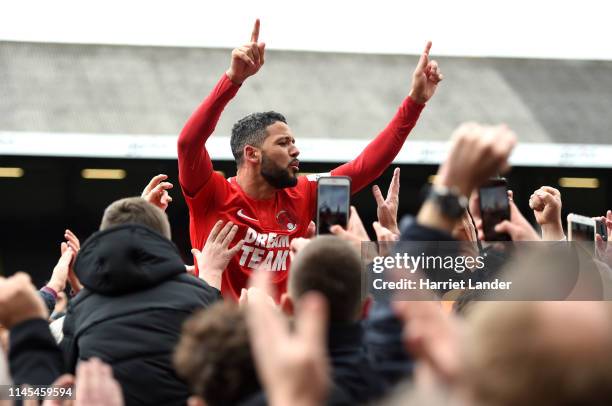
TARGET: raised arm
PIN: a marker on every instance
(195, 166)
(381, 151)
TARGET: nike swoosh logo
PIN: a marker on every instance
(241, 214)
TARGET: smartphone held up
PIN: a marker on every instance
(580, 228)
(333, 202)
(494, 208)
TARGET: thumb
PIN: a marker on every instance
(508, 228)
(337, 230)
(515, 213)
(312, 229)
(379, 230)
(195, 252)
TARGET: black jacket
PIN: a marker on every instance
(352, 370)
(383, 330)
(136, 297)
(354, 379)
(34, 357)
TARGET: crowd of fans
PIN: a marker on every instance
(123, 320)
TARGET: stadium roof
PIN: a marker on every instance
(81, 91)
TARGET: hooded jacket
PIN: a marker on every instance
(136, 296)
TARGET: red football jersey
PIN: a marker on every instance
(267, 226)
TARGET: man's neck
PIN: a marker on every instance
(253, 184)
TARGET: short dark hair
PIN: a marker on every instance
(332, 267)
(214, 355)
(251, 130)
(136, 210)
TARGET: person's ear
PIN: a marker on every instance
(252, 154)
(286, 304)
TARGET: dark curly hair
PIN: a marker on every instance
(251, 130)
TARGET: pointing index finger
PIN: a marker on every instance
(427, 46)
(255, 34)
(424, 60)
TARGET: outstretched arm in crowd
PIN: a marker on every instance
(386, 208)
(477, 153)
(195, 166)
(380, 152)
(546, 205)
(63, 272)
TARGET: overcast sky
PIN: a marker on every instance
(522, 28)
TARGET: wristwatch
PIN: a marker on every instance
(451, 203)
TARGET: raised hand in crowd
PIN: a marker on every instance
(546, 205)
(518, 228)
(425, 78)
(476, 153)
(355, 232)
(156, 192)
(292, 364)
(386, 208)
(74, 244)
(386, 238)
(247, 59)
(59, 277)
(19, 301)
(216, 254)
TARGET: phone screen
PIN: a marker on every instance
(333, 201)
(494, 208)
(601, 229)
(582, 232)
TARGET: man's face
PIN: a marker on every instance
(279, 163)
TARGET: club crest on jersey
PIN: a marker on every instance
(284, 220)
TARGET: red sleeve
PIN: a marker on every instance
(381, 152)
(195, 166)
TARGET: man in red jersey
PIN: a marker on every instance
(267, 204)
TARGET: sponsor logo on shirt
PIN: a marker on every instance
(244, 216)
